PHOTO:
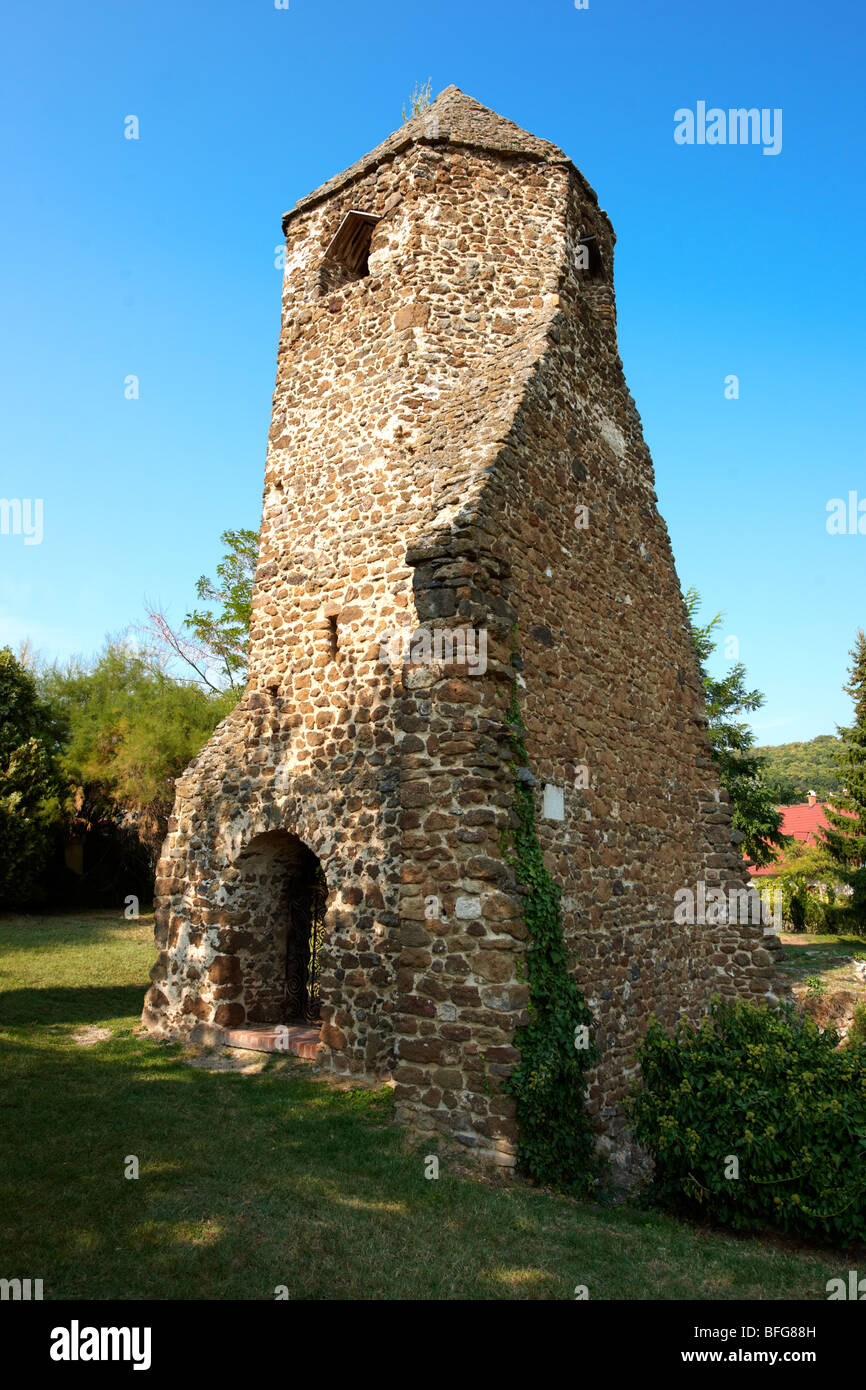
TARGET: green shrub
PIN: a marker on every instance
(802, 908)
(797, 908)
(815, 913)
(858, 901)
(837, 919)
(770, 1089)
(857, 1031)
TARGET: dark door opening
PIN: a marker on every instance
(307, 895)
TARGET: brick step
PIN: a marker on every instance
(299, 1039)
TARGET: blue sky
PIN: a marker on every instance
(155, 257)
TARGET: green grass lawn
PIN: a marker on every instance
(252, 1181)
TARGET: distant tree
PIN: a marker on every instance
(845, 835)
(215, 644)
(130, 730)
(31, 784)
(781, 793)
(754, 812)
(419, 100)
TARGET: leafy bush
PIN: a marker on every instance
(802, 907)
(29, 824)
(129, 730)
(815, 917)
(770, 1089)
(797, 905)
(31, 787)
(857, 1031)
(858, 900)
(838, 920)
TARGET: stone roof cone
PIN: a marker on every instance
(463, 120)
(459, 119)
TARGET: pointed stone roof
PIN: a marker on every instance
(463, 120)
(454, 117)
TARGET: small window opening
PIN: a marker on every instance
(332, 635)
(593, 265)
(347, 256)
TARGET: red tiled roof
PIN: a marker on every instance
(803, 823)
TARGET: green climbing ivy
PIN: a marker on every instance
(556, 1141)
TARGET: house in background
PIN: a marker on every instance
(802, 823)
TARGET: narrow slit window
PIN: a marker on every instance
(332, 636)
(346, 258)
(591, 261)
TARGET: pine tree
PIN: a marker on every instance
(845, 835)
(753, 809)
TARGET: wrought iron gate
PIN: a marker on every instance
(306, 918)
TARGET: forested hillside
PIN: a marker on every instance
(795, 769)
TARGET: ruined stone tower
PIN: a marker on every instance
(454, 454)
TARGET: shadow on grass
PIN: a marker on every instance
(82, 1004)
(250, 1182)
(245, 1182)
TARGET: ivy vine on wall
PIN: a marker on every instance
(555, 1139)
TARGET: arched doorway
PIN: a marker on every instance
(281, 887)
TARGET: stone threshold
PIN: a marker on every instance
(299, 1039)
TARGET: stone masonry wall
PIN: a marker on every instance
(610, 693)
(374, 437)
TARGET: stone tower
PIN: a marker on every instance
(457, 492)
